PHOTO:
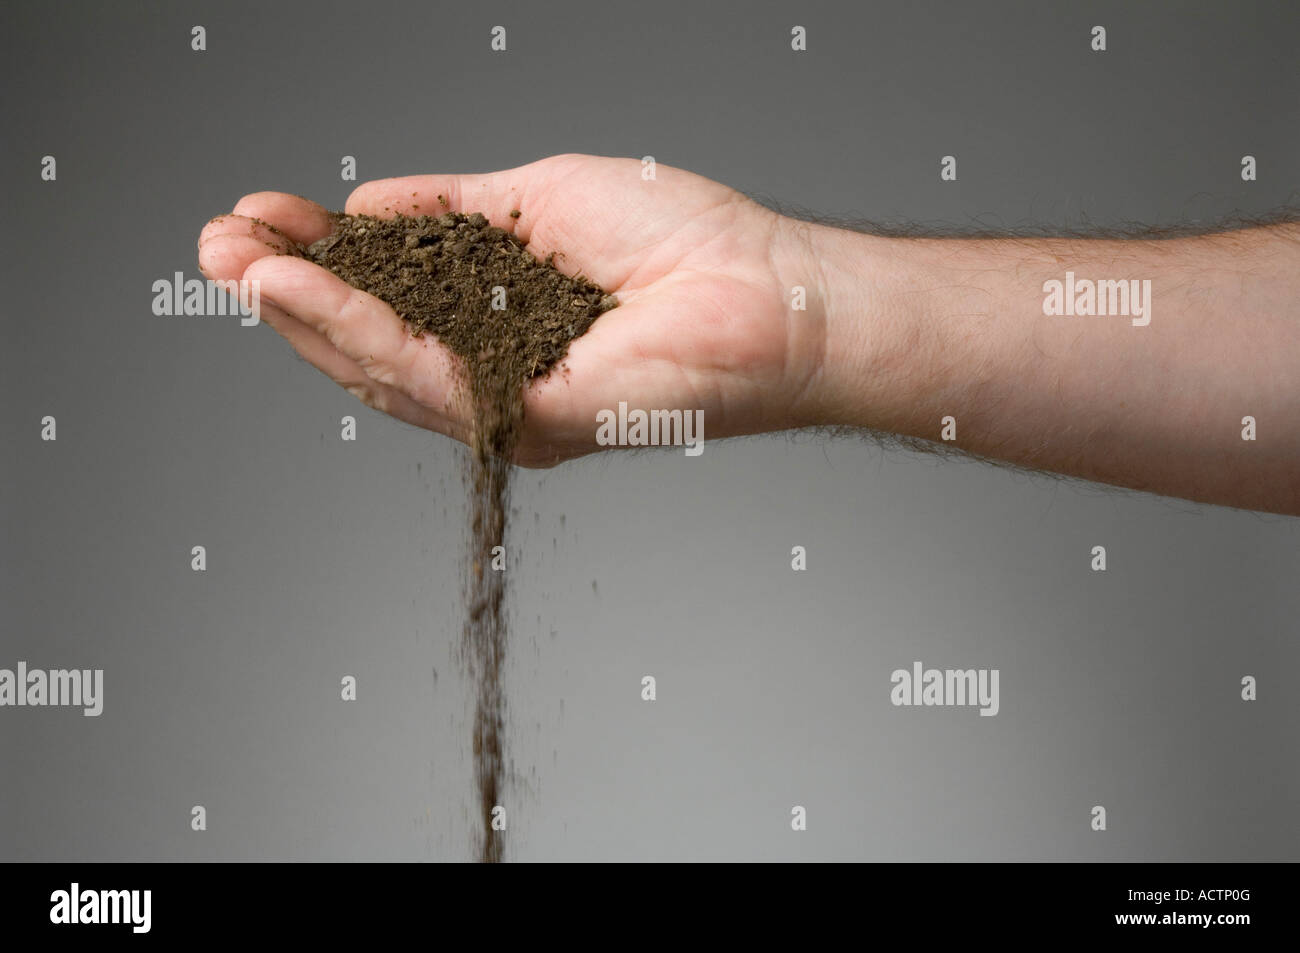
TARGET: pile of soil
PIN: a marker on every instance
(441, 275)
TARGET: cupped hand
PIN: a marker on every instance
(704, 319)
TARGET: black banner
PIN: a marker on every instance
(145, 902)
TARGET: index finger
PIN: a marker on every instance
(495, 194)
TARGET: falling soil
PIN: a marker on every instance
(508, 317)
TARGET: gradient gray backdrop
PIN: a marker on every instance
(328, 558)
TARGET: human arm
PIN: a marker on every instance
(922, 329)
(897, 333)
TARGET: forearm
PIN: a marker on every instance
(916, 330)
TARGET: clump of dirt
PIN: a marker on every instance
(509, 317)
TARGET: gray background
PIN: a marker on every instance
(328, 558)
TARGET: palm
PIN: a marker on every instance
(702, 322)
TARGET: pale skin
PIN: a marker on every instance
(897, 334)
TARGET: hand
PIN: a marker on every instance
(899, 335)
(704, 320)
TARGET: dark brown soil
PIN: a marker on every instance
(439, 275)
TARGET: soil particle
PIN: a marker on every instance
(508, 317)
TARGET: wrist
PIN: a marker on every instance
(863, 324)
